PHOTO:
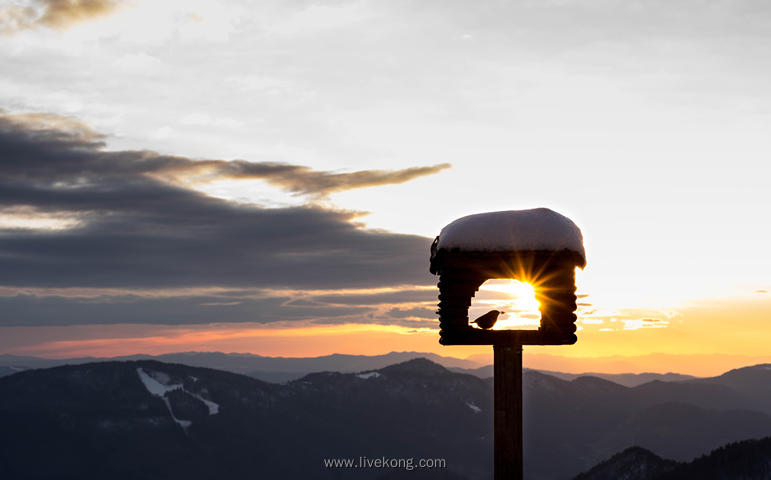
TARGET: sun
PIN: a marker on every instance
(523, 296)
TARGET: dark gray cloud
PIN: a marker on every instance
(61, 307)
(69, 154)
(57, 14)
(426, 313)
(26, 310)
(379, 298)
(139, 231)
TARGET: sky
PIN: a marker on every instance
(267, 176)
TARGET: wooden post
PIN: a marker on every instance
(507, 366)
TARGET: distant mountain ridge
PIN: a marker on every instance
(746, 460)
(271, 369)
(283, 369)
(626, 379)
(700, 365)
(411, 409)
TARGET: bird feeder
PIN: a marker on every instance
(539, 247)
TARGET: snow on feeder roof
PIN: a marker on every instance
(538, 246)
(513, 230)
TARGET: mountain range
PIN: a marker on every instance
(284, 369)
(150, 419)
(269, 369)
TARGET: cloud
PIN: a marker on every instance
(426, 313)
(137, 230)
(637, 324)
(27, 310)
(63, 13)
(16, 17)
(380, 298)
(109, 306)
(60, 137)
(58, 14)
(297, 179)
(32, 306)
(303, 180)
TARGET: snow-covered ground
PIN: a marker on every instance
(214, 408)
(158, 384)
(154, 386)
(473, 407)
(368, 375)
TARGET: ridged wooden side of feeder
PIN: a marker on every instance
(552, 274)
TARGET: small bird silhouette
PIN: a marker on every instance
(487, 320)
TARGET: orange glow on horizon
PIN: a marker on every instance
(700, 339)
(305, 341)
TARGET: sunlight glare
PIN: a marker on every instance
(524, 295)
(515, 298)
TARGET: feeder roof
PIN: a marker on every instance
(513, 230)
